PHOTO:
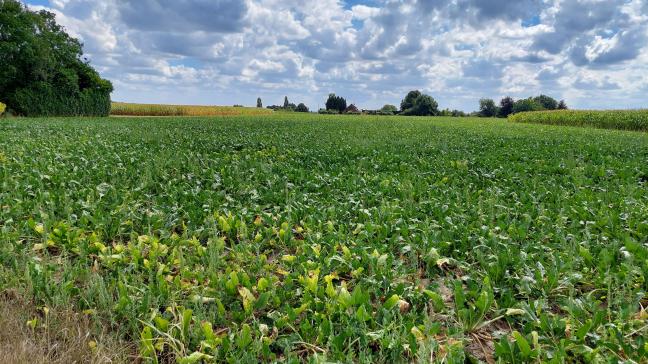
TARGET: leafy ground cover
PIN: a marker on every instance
(607, 119)
(319, 238)
(130, 109)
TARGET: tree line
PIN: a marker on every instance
(508, 106)
(287, 106)
(417, 103)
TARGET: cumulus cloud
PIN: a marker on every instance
(372, 52)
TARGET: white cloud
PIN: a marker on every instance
(231, 51)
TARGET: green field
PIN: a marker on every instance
(131, 109)
(324, 238)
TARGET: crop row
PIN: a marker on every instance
(317, 238)
(610, 119)
(129, 109)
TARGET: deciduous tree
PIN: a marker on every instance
(41, 67)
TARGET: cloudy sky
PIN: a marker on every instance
(593, 53)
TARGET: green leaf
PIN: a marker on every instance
(391, 302)
(522, 344)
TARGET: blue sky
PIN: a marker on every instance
(592, 53)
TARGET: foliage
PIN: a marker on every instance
(3, 107)
(388, 110)
(336, 103)
(548, 103)
(286, 104)
(487, 108)
(562, 105)
(418, 104)
(410, 100)
(259, 103)
(299, 238)
(454, 113)
(609, 119)
(506, 107)
(302, 108)
(129, 109)
(41, 70)
(524, 105)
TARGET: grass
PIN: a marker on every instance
(609, 119)
(129, 109)
(52, 335)
(310, 238)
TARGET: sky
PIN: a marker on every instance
(592, 53)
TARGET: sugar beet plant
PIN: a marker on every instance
(315, 238)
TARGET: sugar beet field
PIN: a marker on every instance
(325, 238)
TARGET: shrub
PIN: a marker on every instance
(3, 107)
(387, 110)
(611, 119)
(43, 100)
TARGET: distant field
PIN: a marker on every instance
(607, 119)
(129, 109)
(297, 238)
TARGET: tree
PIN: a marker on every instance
(418, 104)
(286, 104)
(506, 107)
(301, 108)
(410, 100)
(562, 105)
(259, 103)
(527, 105)
(389, 109)
(487, 108)
(548, 103)
(336, 103)
(41, 68)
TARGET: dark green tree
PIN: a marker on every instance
(42, 72)
(336, 103)
(301, 108)
(286, 104)
(548, 103)
(562, 105)
(487, 108)
(259, 103)
(506, 107)
(418, 104)
(409, 100)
